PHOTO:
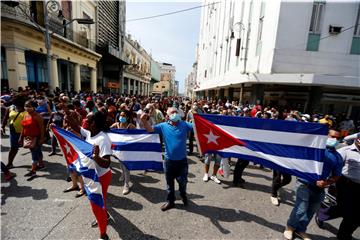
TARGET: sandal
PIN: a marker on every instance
(79, 194)
(71, 189)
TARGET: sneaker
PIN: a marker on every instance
(106, 237)
(289, 233)
(206, 177)
(275, 201)
(126, 190)
(167, 206)
(303, 235)
(215, 179)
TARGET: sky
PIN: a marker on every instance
(171, 39)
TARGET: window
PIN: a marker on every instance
(205, 73)
(355, 45)
(357, 22)
(316, 17)
(315, 26)
(260, 29)
(4, 74)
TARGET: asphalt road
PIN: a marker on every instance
(40, 210)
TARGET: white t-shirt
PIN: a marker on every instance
(104, 143)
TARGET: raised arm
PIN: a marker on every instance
(147, 126)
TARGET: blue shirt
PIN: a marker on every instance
(333, 164)
(174, 138)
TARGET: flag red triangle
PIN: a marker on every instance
(69, 152)
(212, 138)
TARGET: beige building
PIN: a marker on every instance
(137, 75)
(23, 50)
(167, 80)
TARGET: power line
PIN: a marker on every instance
(170, 13)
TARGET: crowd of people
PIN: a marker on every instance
(30, 114)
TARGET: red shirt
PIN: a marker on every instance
(31, 127)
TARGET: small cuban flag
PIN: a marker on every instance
(296, 148)
(78, 155)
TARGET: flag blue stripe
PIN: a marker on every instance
(136, 146)
(143, 165)
(95, 198)
(130, 131)
(268, 124)
(312, 177)
(282, 150)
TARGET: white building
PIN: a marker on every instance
(190, 82)
(165, 86)
(303, 55)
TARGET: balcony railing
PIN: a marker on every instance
(23, 14)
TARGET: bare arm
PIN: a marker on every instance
(6, 118)
(73, 123)
(40, 122)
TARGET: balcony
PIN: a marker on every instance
(55, 24)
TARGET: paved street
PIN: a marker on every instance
(40, 210)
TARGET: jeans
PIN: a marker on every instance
(176, 170)
(308, 200)
(36, 153)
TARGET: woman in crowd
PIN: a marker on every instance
(33, 133)
(124, 123)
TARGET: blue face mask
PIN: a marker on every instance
(175, 117)
(122, 119)
(332, 142)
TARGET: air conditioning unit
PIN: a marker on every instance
(334, 29)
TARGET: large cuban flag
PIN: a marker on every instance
(292, 147)
(137, 149)
(78, 155)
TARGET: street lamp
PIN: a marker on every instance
(79, 21)
(53, 6)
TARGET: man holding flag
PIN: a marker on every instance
(174, 133)
(309, 195)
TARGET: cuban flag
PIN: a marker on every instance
(78, 155)
(137, 149)
(292, 147)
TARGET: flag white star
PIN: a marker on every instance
(67, 147)
(211, 137)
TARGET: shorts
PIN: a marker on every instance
(212, 157)
(14, 140)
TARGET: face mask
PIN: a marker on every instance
(175, 117)
(332, 142)
(122, 119)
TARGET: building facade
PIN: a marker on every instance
(302, 55)
(167, 80)
(23, 50)
(137, 75)
(155, 74)
(110, 33)
(190, 82)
